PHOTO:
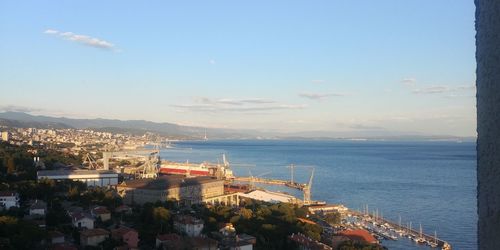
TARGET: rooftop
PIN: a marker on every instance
(360, 235)
(94, 232)
(44, 173)
(8, 193)
(187, 219)
(166, 237)
(166, 182)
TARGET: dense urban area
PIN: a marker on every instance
(54, 194)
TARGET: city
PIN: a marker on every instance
(95, 203)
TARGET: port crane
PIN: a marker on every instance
(90, 161)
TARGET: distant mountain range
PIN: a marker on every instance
(20, 119)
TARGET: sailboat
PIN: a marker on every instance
(420, 239)
(434, 243)
(205, 138)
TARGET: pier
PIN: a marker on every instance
(402, 230)
(267, 181)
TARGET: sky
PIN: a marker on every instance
(287, 66)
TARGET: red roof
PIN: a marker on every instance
(8, 193)
(100, 210)
(122, 230)
(165, 237)
(359, 235)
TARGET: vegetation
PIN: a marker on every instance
(21, 234)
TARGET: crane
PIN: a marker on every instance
(307, 189)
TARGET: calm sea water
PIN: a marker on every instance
(432, 183)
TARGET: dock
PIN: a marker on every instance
(267, 181)
(404, 231)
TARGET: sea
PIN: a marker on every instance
(428, 183)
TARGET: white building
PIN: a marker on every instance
(90, 177)
(189, 225)
(38, 207)
(5, 136)
(82, 220)
(271, 197)
(9, 199)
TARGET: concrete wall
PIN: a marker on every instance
(488, 116)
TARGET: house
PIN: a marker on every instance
(123, 209)
(128, 235)
(101, 213)
(82, 220)
(306, 243)
(9, 199)
(232, 241)
(189, 225)
(93, 237)
(38, 208)
(167, 239)
(63, 246)
(359, 235)
(55, 237)
(202, 243)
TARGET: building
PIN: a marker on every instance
(5, 136)
(90, 177)
(101, 212)
(188, 225)
(9, 199)
(93, 237)
(188, 191)
(359, 235)
(202, 243)
(324, 209)
(123, 209)
(82, 220)
(38, 207)
(232, 241)
(271, 197)
(129, 236)
(306, 243)
(163, 240)
(55, 237)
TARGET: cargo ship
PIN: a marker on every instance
(197, 169)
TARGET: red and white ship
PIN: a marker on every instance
(196, 169)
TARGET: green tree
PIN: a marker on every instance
(333, 218)
(161, 215)
(11, 165)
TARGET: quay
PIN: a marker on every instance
(402, 230)
(295, 185)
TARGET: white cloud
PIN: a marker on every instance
(204, 104)
(318, 81)
(438, 89)
(83, 39)
(14, 108)
(317, 96)
(410, 82)
(50, 31)
(212, 61)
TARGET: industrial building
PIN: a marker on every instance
(90, 177)
(188, 191)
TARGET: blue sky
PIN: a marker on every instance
(404, 66)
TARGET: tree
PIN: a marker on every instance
(333, 218)
(11, 165)
(161, 215)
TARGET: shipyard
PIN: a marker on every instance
(139, 176)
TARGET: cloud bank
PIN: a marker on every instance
(205, 104)
(82, 39)
(317, 96)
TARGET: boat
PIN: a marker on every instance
(434, 243)
(197, 169)
(420, 239)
